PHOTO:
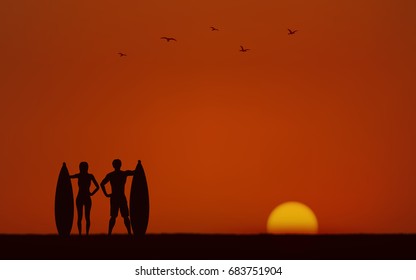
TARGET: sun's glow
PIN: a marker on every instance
(292, 217)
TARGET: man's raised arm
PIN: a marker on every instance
(129, 172)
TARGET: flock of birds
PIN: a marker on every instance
(242, 49)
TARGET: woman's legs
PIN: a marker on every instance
(87, 215)
(79, 211)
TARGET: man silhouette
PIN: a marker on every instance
(118, 200)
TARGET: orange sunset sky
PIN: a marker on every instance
(325, 117)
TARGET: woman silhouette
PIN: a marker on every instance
(84, 194)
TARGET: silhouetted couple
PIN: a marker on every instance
(118, 200)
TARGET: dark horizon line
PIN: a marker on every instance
(210, 234)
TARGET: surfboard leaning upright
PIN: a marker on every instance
(64, 203)
(139, 202)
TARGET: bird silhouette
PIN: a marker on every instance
(121, 54)
(243, 49)
(168, 39)
(292, 32)
(214, 29)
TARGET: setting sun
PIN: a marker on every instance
(292, 217)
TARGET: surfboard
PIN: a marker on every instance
(64, 203)
(139, 202)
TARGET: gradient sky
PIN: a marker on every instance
(325, 117)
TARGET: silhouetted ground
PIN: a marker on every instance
(195, 246)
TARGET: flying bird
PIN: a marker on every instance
(292, 32)
(121, 54)
(168, 39)
(243, 49)
(214, 29)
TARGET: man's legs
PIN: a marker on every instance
(111, 225)
(124, 210)
(115, 205)
(127, 224)
(113, 214)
